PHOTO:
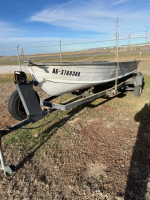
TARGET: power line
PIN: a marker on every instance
(75, 41)
(70, 43)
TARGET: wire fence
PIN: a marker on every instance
(130, 47)
(82, 49)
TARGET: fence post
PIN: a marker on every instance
(60, 51)
(117, 36)
(19, 58)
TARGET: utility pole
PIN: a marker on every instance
(116, 81)
(129, 38)
(146, 36)
(118, 40)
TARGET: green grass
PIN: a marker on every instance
(113, 110)
(31, 136)
(147, 82)
(7, 62)
(6, 78)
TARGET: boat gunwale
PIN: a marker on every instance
(30, 63)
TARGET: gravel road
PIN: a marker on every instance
(11, 68)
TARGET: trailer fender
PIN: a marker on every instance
(139, 80)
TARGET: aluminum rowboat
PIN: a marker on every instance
(59, 78)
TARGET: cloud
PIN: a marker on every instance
(30, 45)
(8, 29)
(89, 17)
(119, 2)
(94, 15)
(77, 15)
(24, 42)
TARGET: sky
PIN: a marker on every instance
(36, 23)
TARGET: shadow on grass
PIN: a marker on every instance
(49, 132)
(46, 135)
(139, 171)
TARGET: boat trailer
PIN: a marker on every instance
(35, 113)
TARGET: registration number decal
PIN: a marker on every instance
(65, 72)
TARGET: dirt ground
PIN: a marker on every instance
(93, 152)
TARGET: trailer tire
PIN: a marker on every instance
(16, 108)
(137, 90)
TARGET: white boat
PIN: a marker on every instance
(59, 78)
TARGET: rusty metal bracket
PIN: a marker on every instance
(20, 77)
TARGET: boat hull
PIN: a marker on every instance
(59, 78)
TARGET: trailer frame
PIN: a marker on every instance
(35, 113)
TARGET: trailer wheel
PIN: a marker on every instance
(137, 91)
(16, 108)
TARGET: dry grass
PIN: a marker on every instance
(90, 152)
(124, 54)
